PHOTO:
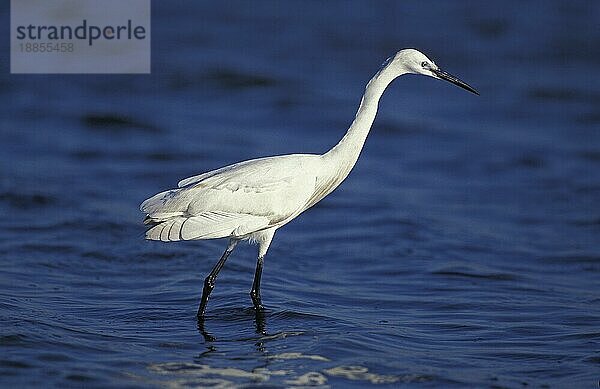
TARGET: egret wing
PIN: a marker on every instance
(274, 187)
(270, 189)
(206, 225)
(235, 170)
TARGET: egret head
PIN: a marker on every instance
(413, 61)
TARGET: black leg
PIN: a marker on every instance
(255, 292)
(207, 337)
(209, 282)
(260, 322)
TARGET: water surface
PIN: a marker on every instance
(462, 250)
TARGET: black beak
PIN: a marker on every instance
(448, 77)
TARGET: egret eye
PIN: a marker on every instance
(424, 64)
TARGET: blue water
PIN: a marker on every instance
(463, 250)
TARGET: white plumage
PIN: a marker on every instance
(235, 201)
(252, 199)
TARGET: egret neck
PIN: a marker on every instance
(343, 156)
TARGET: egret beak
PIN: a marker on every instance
(450, 78)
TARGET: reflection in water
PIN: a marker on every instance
(186, 374)
(259, 322)
(202, 329)
(298, 356)
(261, 329)
(361, 373)
(293, 369)
(311, 378)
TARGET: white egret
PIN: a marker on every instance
(250, 200)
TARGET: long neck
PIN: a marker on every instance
(346, 152)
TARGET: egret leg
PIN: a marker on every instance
(255, 292)
(264, 239)
(261, 323)
(209, 281)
